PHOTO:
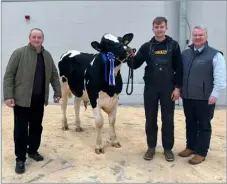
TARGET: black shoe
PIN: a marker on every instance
(20, 167)
(36, 156)
(149, 154)
(169, 156)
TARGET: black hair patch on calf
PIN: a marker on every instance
(94, 79)
(90, 72)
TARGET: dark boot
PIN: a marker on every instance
(20, 167)
(169, 156)
(36, 156)
(149, 154)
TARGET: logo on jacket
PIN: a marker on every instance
(160, 52)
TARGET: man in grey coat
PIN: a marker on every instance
(204, 75)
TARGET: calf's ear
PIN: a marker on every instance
(127, 38)
(221, 52)
(96, 45)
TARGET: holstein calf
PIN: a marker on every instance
(95, 78)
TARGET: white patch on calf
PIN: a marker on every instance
(77, 113)
(111, 37)
(93, 61)
(99, 121)
(108, 105)
(98, 116)
(71, 52)
(106, 102)
(117, 69)
(85, 97)
(85, 79)
(112, 120)
(65, 89)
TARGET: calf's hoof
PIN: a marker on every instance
(64, 128)
(116, 145)
(79, 129)
(99, 150)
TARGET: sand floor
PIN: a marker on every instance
(70, 157)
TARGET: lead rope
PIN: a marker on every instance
(130, 76)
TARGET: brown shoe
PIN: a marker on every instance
(197, 159)
(185, 153)
(149, 154)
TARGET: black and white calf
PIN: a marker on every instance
(95, 78)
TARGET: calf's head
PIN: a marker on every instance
(115, 44)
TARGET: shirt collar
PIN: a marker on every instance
(199, 49)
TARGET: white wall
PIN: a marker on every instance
(74, 24)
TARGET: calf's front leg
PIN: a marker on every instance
(112, 119)
(99, 148)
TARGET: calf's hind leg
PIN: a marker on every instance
(77, 113)
(64, 88)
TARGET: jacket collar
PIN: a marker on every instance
(192, 46)
(33, 49)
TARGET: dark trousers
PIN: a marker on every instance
(198, 114)
(151, 98)
(28, 128)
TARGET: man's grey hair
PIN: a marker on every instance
(201, 27)
(37, 29)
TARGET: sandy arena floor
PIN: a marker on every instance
(70, 157)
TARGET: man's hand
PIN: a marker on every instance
(56, 99)
(132, 53)
(10, 102)
(212, 100)
(175, 94)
